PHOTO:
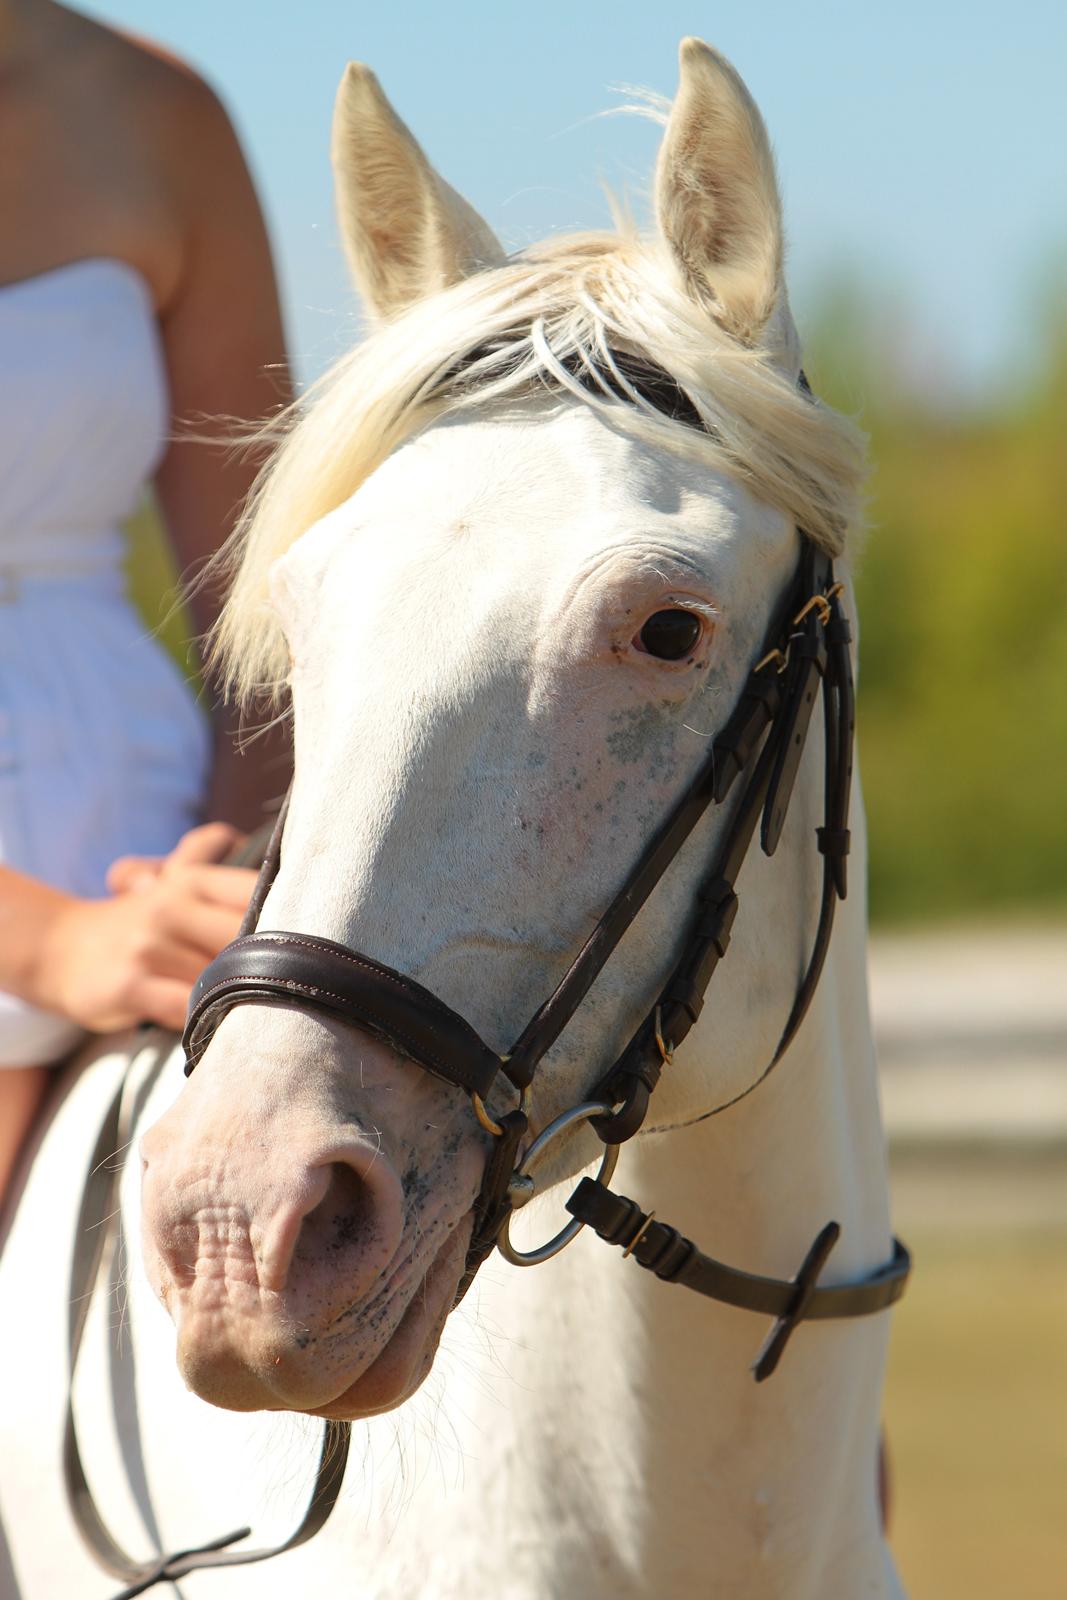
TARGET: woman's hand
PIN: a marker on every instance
(209, 844)
(134, 957)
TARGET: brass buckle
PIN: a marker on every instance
(489, 1122)
(781, 656)
(639, 1235)
(819, 602)
(666, 1051)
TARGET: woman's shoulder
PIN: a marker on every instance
(163, 92)
(186, 145)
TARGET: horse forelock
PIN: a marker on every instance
(601, 318)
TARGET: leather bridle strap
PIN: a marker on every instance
(731, 750)
(807, 662)
(664, 1251)
(296, 968)
(493, 1205)
(95, 1231)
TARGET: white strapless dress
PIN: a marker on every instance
(103, 751)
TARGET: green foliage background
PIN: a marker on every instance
(962, 589)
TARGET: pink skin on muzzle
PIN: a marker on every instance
(306, 1256)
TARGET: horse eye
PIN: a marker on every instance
(669, 635)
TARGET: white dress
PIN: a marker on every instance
(102, 748)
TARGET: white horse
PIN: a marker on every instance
(452, 563)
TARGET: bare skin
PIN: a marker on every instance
(110, 148)
(162, 923)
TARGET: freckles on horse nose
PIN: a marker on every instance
(312, 1226)
(355, 1223)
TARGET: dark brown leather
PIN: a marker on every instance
(299, 969)
(291, 969)
(493, 1205)
(270, 856)
(758, 707)
(664, 1251)
(763, 736)
(363, 991)
(96, 1218)
(635, 1074)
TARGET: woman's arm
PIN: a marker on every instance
(107, 964)
(226, 365)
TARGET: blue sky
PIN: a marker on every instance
(921, 146)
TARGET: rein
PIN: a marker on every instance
(805, 654)
(99, 1206)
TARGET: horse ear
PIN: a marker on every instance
(717, 194)
(406, 232)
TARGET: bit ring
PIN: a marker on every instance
(559, 1241)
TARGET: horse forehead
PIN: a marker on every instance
(560, 457)
(549, 492)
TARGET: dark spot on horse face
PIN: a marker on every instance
(640, 728)
(346, 1230)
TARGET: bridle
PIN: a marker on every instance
(804, 656)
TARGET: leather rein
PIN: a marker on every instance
(805, 655)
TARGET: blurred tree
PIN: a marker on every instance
(963, 598)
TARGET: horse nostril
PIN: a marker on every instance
(346, 1218)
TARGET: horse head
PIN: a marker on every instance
(514, 585)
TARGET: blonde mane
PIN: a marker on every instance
(552, 318)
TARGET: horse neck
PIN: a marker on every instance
(644, 1422)
(794, 1479)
